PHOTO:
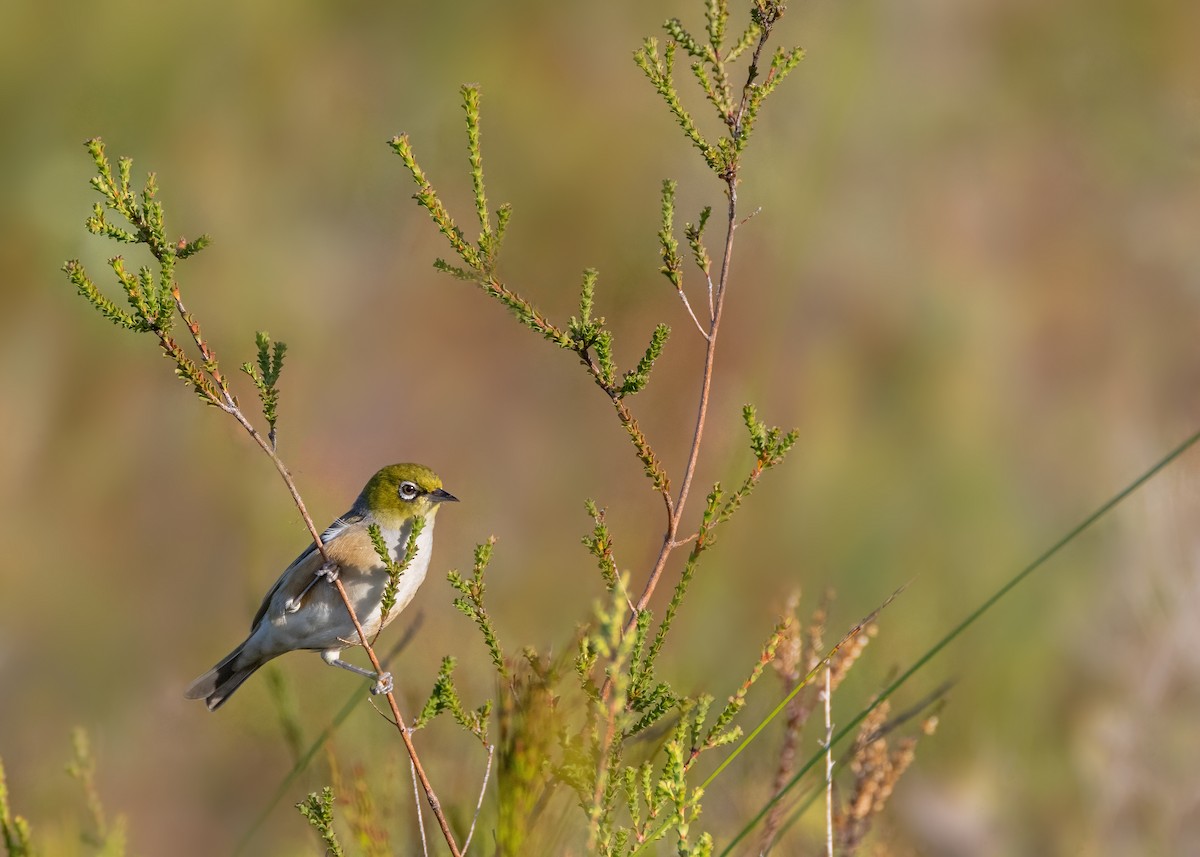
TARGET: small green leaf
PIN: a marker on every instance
(470, 602)
(394, 569)
(599, 544)
(604, 357)
(672, 266)
(317, 809)
(695, 239)
(635, 380)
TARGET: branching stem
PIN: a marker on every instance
(206, 378)
(675, 507)
(230, 407)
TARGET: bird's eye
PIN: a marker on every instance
(408, 490)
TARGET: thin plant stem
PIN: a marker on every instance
(226, 402)
(420, 815)
(717, 304)
(675, 514)
(427, 787)
(828, 693)
(675, 510)
(688, 305)
(487, 773)
(405, 734)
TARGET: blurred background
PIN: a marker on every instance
(973, 284)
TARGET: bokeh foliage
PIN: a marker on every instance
(978, 263)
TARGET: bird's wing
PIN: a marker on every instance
(300, 573)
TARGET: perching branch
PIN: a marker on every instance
(153, 305)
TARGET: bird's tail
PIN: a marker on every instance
(219, 683)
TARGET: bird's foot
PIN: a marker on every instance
(383, 684)
(329, 571)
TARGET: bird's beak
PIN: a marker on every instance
(437, 495)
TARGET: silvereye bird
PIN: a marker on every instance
(303, 612)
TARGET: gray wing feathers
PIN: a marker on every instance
(331, 532)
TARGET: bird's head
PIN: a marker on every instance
(399, 492)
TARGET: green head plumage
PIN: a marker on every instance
(403, 491)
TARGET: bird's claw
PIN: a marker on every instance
(383, 684)
(329, 571)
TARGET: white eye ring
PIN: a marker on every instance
(409, 490)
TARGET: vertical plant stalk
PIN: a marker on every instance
(676, 507)
(420, 815)
(738, 129)
(491, 751)
(827, 693)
